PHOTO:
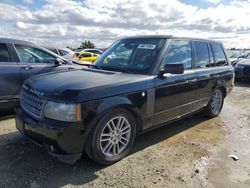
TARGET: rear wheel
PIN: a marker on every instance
(113, 137)
(215, 104)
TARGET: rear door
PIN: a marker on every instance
(10, 77)
(35, 61)
(203, 65)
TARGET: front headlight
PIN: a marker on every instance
(62, 111)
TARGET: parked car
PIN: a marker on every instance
(87, 56)
(138, 84)
(242, 69)
(92, 50)
(20, 60)
(63, 52)
(235, 56)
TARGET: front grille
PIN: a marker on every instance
(246, 71)
(32, 102)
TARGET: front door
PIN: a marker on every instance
(34, 61)
(175, 94)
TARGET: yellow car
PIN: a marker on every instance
(87, 56)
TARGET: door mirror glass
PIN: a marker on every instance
(174, 68)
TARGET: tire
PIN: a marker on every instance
(113, 137)
(215, 104)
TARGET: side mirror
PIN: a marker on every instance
(59, 62)
(174, 68)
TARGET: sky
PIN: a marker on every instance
(69, 22)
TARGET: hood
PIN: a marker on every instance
(87, 84)
(244, 62)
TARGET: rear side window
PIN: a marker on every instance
(219, 55)
(4, 54)
(201, 54)
(179, 52)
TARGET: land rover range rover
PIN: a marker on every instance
(139, 83)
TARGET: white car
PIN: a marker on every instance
(63, 52)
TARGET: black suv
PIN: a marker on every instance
(18, 61)
(139, 83)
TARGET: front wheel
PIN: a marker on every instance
(215, 104)
(113, 137)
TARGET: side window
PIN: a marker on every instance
(4, 54)
(33, 55)
(220, 58)
(201, 54)
(179, 52)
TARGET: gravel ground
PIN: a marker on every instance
(189, 153)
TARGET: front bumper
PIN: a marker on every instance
(63, 140)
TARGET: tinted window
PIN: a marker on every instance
(179, 52)
(33, 55)
(201, 54)
(220, 58)
(4, 54)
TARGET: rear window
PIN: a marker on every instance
(4, 54)
(219, 55)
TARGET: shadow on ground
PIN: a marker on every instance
(23, 164)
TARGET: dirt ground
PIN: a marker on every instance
(189, 153)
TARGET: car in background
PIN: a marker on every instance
(242, 69)
(92, 50)
(235, 56)
(95, 51)
(66, 53)
(87, 56)
(20, 60)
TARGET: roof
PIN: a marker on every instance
(168, 37)
(8, 40)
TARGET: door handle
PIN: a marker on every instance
(27, 68)
(192, 80)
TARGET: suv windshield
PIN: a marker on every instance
(131, 55)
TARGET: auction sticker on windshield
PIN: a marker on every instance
(147, 46)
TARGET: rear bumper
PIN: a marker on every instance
(61, 139)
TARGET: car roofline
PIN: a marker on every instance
(15, 41)
(169, 37)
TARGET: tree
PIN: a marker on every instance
(87, 44)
